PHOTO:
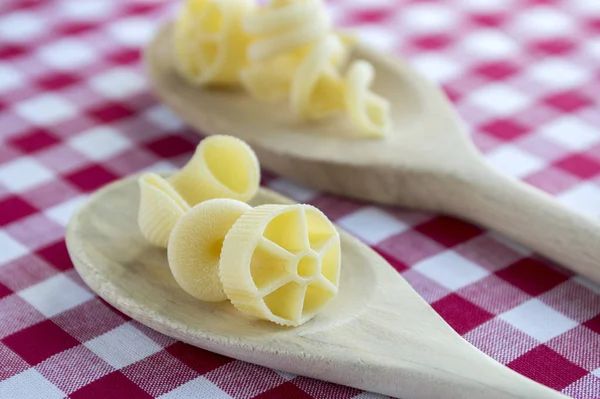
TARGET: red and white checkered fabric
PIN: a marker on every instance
(76, 113)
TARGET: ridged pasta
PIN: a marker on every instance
(195, 246)
(281, 263)
(285, 26)
(221, 167)
(210, 44)
(161, 206)
(285, 49)
(296, 54)
(317, 88)
(369, 111)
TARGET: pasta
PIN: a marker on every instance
(195, 246)
(285, 26)
(160, 209)
(367, 110)
(281, 263)
(285, 49)
(317, 87)
(210, 44)
(221, 167)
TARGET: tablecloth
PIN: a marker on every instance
(76, 113)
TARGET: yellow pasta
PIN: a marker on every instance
(271, 80)
(285, 26)
(221, 167)
(160, 209)
(285, 49)
(281, 263)
(210, 44)
(317, 87)
(195, 246)
(368, 111)
(285, 32)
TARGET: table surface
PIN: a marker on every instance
(76, 113)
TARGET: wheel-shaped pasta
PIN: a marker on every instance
(160, 209)
(369, 111)
(317, 87)
(221, 167)
(210, 44)
(281, 263)
(286, 32)
(271, 80)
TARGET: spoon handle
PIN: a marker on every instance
(530, 217)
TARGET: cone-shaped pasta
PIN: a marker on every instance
(317, 87)
(370, 112)
(221, 167)
(160, 209)
(281, 263)
(210, 44)
(195, 246)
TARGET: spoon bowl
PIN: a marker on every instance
(322, 153)
(427, 162)
(377, 334)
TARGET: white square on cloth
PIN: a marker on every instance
(372, 225)
(55, 295)
(100, 142)
(118, 83)
(198, 388)
(67, 54)
(46, 109)
(450, 270)
(23, 174)
(538, 320)
(123, 346)
(29, 384)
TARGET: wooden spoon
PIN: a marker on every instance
(377, 334)
(427, 163)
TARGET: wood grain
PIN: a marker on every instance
(377, 334)
(427, 162)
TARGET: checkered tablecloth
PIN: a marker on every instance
(76, 113)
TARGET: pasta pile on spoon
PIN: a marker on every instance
(275, 262)
(283, 50)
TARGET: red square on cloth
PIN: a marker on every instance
(593, 324)
(113, 385)
(34, 141)
(171, 146)
(110, 113)
(197, 359)
(532, 276)
(14, 208)
(543, 365)
(497, 70)
(461, 314)
(56, 254)
(580, 165)
(569, 101)
(4, 291)
(505, 129)
(91, 178)
(448, 231)
(39, 342)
